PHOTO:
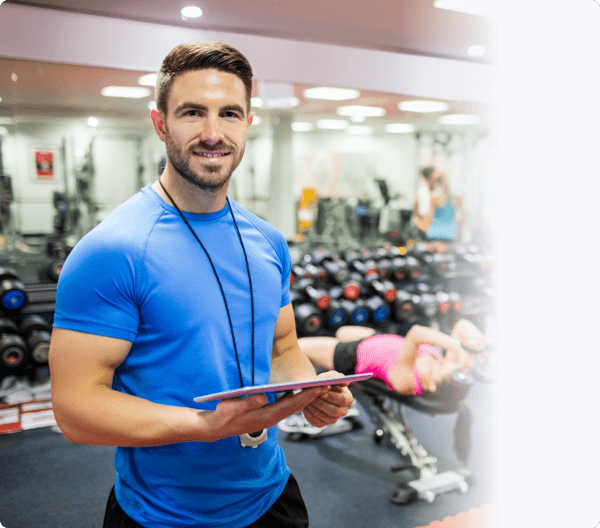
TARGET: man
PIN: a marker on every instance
(178, 293)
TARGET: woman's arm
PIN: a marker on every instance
(424, 335)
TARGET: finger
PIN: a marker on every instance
(238, 406)
(340, 396)
(317, 418)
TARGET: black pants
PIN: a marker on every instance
(289, 511)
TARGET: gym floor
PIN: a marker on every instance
(47, 482)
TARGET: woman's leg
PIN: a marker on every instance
(346, 334)
(319, 350)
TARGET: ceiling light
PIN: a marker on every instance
(363, 111)
(152, 105)
(423, 106)
(459, 119)
(331, 94)
(92, 121)
(472, 7)
(256, 120)
(399, 128)
(3, 131)
(301, 126)
(133, 92)
(148, 80)
(0, 99)
(476, 51)
(256, 102)
(359, 130)
(332, 124)
(191, 12)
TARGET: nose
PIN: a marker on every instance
(212, 133)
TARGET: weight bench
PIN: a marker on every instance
(386, 410)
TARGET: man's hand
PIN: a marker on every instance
(331, 405)
(238, 416)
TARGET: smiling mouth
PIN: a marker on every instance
(205, 154)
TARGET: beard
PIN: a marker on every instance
(214, 177)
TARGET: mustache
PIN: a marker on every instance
(219, 146)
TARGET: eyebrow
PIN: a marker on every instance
(196, 106)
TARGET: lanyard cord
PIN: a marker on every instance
(237, 358)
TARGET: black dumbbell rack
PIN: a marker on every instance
(430, 282)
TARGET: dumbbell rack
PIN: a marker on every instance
(432, 284)
(28, 326)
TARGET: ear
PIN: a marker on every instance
(159, 124)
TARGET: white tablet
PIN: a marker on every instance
(281, 387)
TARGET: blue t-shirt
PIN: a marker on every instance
(443, 225)
(141, 276)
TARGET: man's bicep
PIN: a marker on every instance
(284, 336)
(78, 359)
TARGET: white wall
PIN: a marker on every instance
(336, 163)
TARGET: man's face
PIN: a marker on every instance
(206, 126)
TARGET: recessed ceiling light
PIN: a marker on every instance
(256, 120)
(256, 102)
(459, 119)
(399, 128)
(191, 12)
(92, 121)
(363, 111)
(148, 80)
(301, 126)
(423, 106)
(152, 105)
(132, 92)
(331, 94)
(472, 7)
(476, 50)
(332, 124)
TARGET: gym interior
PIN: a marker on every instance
(346, 119)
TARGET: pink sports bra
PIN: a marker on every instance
(379, 354)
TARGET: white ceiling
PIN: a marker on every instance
(411, 27)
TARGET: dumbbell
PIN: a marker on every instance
(426, 304)
(13, 349)
(12, 290)
(384, 289)
(51, 271)
(317, 257)
(317, 296)
(403, 307)
(337, 270)
(36, 332)
(355, 312)
(413, 267)
(377, 310)
(368, 267)
(308, 319)
(334, 316)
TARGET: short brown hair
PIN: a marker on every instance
(201, 56)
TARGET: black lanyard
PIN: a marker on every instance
(237, 358)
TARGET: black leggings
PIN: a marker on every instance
(289, 511)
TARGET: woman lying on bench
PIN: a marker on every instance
(408, 363)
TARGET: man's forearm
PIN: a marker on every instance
(290, 366)
(102, 416)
